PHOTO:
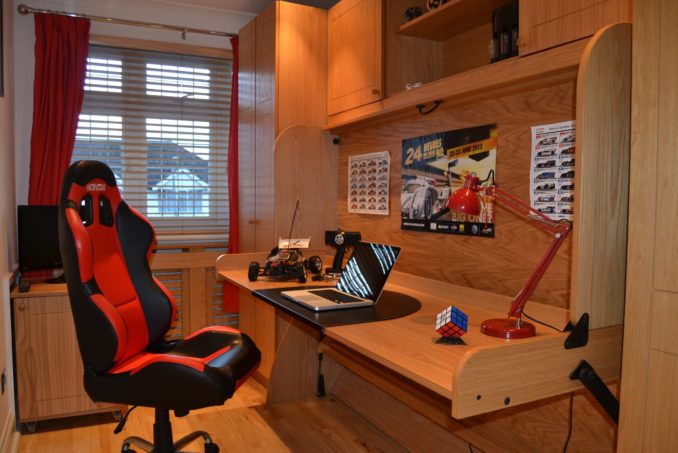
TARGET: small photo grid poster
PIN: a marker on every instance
(368, 187)
(552, 169)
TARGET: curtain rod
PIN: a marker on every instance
(23, 10)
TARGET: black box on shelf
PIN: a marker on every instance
(504, 42)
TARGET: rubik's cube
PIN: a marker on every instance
(451, 322)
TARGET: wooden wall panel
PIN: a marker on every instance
(305, 168)
(246, 136)
(265, 127)
(602, 178)
(504, 263)
(649, 401)
(467, 50)
(666, 239)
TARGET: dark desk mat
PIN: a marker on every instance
(390, 305)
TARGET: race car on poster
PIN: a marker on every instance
(421, 199)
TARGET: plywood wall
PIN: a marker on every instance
(501, 264)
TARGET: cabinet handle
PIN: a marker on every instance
(21, 306)
(376, 92)
(253, 221)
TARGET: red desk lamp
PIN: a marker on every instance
(467, 200)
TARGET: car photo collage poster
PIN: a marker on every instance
(368, 177)
(552, 169)
(434, 166)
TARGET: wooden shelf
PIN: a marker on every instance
(452, 18)
(491, 81)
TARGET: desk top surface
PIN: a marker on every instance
(408, 345)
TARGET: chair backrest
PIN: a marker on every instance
(119, 308)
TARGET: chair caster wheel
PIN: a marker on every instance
(211, 448)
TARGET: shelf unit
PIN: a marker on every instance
(451, 19)
(490, 81)
(600, 68)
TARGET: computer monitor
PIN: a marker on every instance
(38, 238)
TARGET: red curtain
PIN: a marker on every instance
(230, 301)
(61, 45)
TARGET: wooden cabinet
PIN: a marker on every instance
(549, 23)
(283, 71)
(285, 156)
(354, 54)
(257, 319)
(48, 367)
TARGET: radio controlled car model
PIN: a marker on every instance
(286, 263)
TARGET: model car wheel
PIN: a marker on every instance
(253, 271)
(301, 273)
(314, 264)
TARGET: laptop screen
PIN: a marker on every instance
(367, 270)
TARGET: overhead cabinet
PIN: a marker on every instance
(354, 54)
(449, 41)
(549, 23)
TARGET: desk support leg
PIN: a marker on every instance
(320, 391)
(588, 376)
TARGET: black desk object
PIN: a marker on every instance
(390, 305)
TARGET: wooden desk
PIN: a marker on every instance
(484, 375)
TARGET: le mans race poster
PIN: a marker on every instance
(433, 167)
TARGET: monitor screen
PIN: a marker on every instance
(38, 237)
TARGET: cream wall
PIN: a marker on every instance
(159, 11)
(7, 230)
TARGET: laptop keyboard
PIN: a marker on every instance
(336, 296)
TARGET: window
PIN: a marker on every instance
(161, 121)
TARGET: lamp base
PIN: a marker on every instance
(508, 328)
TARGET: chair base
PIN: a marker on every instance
(162, 438)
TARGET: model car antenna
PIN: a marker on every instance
(294, 216)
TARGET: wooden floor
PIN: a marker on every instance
(243, 424)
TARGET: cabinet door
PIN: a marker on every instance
(48, 366)
(354, 54)
(549, 23)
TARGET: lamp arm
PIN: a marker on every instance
(558, 228)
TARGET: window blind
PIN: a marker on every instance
(161, 122)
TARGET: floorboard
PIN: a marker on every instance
(243, 424)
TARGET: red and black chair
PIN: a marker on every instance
(122, 314)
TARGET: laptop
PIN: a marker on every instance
(359, 285)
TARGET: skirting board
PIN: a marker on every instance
(9, 436)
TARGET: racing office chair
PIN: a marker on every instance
(122, 312)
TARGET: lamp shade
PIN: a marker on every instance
(466, 198)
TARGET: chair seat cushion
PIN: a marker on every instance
(202, 370)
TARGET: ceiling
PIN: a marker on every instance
(252, 7)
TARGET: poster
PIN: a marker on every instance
(552, 169)
(433, 167)
(368, 188)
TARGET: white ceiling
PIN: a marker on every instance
(251, 7)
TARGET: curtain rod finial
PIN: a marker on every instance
(22, 9)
